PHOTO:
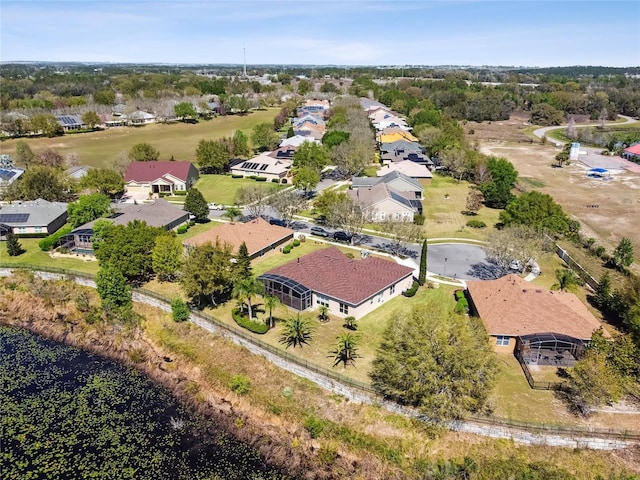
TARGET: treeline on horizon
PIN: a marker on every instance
(549, 95)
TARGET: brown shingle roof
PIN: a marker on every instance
(513, 307)
(149, 171)
(332, 273)
(257, 234)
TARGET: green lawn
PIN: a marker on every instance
(99, 149)
(34, 256)
(222, 188)
(444, 201)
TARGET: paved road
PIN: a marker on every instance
(541, 132)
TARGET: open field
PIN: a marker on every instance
(222, 188)
(99, 149)
(617, 200)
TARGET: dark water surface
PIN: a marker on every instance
(67, 414)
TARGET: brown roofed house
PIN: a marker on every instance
(157, 177)
(259, 236)
(513, 309)
(346, 286)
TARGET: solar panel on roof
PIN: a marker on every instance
(7, 174)
(14, 217)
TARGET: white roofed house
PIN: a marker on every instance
(141, 118)
(264, 165)
(297, 140)
(406, 167)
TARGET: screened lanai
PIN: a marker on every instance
(289, 292)
(549, 349)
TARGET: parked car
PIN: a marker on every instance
(277, 221)
(321, 232)
(341, 236)
(215, 206)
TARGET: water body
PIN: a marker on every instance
(65, 413)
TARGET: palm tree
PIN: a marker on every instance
(324, 313)
(296, 331)
(346, 350)
(232, 213)
(567, 281)
(245, 289)
(350, 323)
(271, 302)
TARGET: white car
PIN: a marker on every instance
(215, 206)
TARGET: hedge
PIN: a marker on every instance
(32, 235)
(51, 241)
(260, 179)
(164, 194)
(284, 180)
(180, 193)
(410, 292)
(251, 325)
(296, 243)
(462, 306)
(183, 228)
(476, 224)
(235, 175)
(287, 249)
(275, 180)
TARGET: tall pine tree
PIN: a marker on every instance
(14, 248)
(243, 263)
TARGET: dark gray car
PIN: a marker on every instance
(321, 232)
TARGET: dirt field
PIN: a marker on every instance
(607, 210)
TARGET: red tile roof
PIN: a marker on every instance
(257, 235)
(633, 149)
(330, 272)
(511, 306)
(150, 171)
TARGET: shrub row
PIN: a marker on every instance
(244, 322)
(183, 229)
(410, 292)
(235, 175)
(462, 306)
(32, 235)
(288, 248)
(180, 193)
(260, 179)
(164, 194)
(51, 241)
(476, 224)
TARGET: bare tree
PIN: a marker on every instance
(571, 131)
(519, 243)
(349, 215)
(287, 204)
(121, 162)
(254, 198)
(400, 234)
(604, 115)
(72, 159)
(474, 200)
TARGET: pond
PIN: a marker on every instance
(65, 413)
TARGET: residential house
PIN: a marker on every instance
(157, 177)
(284, 152)
(140, 118)
(110, 120)
(297, 140)
(119, 109)
(542, 326)
(328, 277)
(264, 165)
(401, 146)
(396, 123)
(632, 153)
(396, 135)
(396, 180)
(8, 176)
(384, 203)
(158, 213)
(406, 167)
(258, 235)
(77, 172)
(70, 122)
(370, 106)
(35, 217)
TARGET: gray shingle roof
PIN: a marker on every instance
(34, 213)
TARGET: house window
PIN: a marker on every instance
(322, 301)
(406, 216)
(380, 297)
(396, 216)
(22, 229)
(344, 308)
(381, 216)
(38, 229)
(392, 290)
(502, 341)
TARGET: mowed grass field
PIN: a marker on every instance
(99, 149)
(444, 201)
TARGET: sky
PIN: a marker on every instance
(324, 32)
